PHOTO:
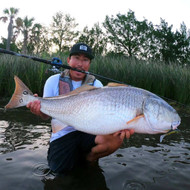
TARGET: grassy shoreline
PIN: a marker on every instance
(167, 80)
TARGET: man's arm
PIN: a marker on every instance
(107, 144)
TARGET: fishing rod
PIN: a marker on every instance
(57, 63)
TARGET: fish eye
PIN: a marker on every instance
(176, 123)
(25, 92)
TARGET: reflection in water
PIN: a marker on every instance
(16, 136)
(19, 129)
(141, 163)
(81, 178)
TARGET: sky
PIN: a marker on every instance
(89, 12)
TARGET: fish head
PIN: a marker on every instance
(160, 116)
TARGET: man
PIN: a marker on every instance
(69, 147)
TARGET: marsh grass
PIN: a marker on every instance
(32, 73)
(167, 80)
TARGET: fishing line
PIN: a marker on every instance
(57, 63)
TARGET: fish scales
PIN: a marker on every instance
(106, 107)
(107, 99)
(104, 110)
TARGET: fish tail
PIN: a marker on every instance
(20, 96)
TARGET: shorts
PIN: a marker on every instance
(69, 151)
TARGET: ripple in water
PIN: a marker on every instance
(41, 170)
(133, 185)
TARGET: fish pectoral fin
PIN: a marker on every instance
(135, 119)
(114, 84)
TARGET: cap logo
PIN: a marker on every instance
(82, 47)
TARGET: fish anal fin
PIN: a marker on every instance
(135, 119)
(114, 84)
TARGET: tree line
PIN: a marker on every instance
(121, 34)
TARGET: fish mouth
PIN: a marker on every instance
(175, 124)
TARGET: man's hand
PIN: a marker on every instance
(35, 108)
(124, 133)
(107, 144)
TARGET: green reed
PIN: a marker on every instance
(167, 80)
(32, 73)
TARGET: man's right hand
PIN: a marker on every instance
(35, 107)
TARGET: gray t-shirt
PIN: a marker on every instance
(51, 89)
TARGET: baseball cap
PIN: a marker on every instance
(82, 48)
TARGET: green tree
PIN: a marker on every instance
(171, 46)
(35, 36)
(13, 46)
(34, 41)
(63, 31)
(94, 38)
(165, 41)
(126, 34)
(25, 26)
(26, 30)
(10, 15)
(45, 41)
(183, 44)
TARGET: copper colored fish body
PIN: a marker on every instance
(104, 110)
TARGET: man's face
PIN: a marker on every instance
(80, 62)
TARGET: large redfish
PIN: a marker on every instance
(104, 110)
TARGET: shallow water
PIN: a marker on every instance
(141, 163)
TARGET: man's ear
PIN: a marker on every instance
(68, 59)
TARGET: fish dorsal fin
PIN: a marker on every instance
(114, 84)
(83, 88)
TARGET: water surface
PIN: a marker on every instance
(141, 163)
